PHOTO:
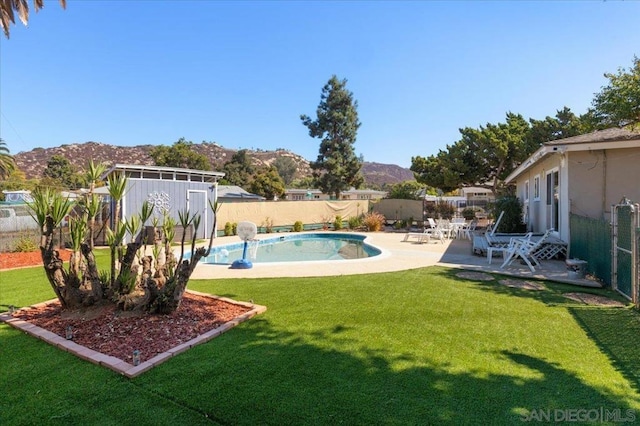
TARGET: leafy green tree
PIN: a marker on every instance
(564, 125)
(306, 182)
(483, 157)
(61, 173)
(618, 103)
(407, 190)
(9, 8)
(180, 154)
(7, 165)
(286, 168)
(337, 167)
(17, 181)
(267, 183)
(239, 170)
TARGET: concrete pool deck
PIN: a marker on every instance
(396, 255)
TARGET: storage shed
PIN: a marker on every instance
(170, 190)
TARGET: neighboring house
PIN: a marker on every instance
(315, 194)
(234, 194)
(584, 175)
(477, 197)
(170, 190)
(473, 197)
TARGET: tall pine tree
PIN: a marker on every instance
(337, 167)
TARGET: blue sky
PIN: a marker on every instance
(241, 73)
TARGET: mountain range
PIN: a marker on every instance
(34, 162)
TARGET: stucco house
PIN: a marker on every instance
(295, 194)
(584, 175)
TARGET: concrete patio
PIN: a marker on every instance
(396, 255)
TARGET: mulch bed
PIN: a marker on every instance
(22, 259)
(112, 332)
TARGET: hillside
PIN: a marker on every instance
(33, 162)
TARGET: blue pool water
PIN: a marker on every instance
(295, 248)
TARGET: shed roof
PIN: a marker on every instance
(164, 173)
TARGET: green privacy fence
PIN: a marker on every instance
(591, 241)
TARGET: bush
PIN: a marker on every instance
(25, 244)
(373, 221)
(469, 213)
(445, 210)
(298, 226)
(337, 224)
(512, 219)
(268, 225)
(228, 229)
(355, 222)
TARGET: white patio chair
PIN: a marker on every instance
(436, 230)
(525, 249)
(494, 245)
(467, 230)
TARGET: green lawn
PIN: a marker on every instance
(412, 347)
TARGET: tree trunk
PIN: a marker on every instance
(91, 274)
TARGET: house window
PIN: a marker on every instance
(526, 191)
(536, 188)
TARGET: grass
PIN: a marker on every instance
(412, 347)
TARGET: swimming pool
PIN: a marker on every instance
(296, 248)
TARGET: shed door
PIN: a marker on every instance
(197, 205)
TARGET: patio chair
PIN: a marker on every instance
(431, 230)
(525, 249)
(422, 237)
(494, 245)
(466, 231)
(491, 229)
(437, 230)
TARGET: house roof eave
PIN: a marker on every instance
(533, 159)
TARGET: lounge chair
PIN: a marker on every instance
(421, 237)
(495, 245)
(430, 231)
(525, 249)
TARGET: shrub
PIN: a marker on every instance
(298, 226)
(444, 209)
(469, 213)
(25, 244)
(268, 225)
(228, 229)
(512, 219)
(355, 222)
(337, 224)
(374, 221)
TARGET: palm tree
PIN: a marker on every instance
(9, 8)
(7, 165)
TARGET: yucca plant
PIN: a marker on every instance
(136, 278)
